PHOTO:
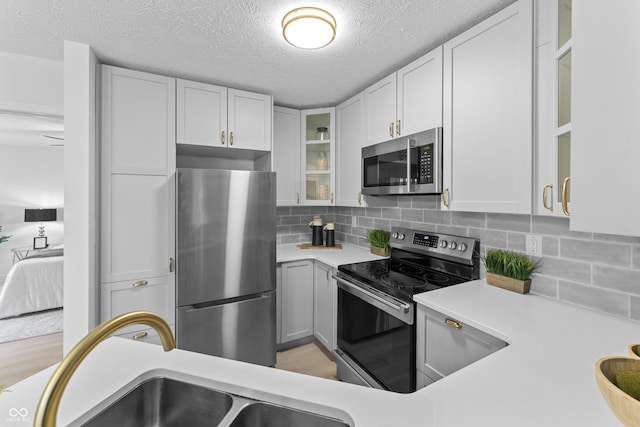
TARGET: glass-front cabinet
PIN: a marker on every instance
(554, 107)
(318, 156)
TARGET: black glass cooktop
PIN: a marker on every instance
(399, 278)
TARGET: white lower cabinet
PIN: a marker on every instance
(296, 300)
(324, 305)
(445, 345)
(154, 294)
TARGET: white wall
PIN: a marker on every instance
(80, 186)
(30, 177)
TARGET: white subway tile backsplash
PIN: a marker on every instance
(595, 298)
(596, 252)
(619, 279)
(597, 271)
(516, 242)
(550, 246)
(509, 222)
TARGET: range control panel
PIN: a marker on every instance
(448, 246)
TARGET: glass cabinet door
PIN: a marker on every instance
(318, 156)
(563, 92)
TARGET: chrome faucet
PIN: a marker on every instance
(47, 410)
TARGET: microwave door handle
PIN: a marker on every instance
(409, 165)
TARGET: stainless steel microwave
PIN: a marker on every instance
(407, 165)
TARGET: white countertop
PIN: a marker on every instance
(331, 257)
(545, 377)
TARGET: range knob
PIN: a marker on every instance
(462, 247)
(453, 245)
(444, 244)
(394, 235)
(401, 236)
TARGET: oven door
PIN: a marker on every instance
(376, 336)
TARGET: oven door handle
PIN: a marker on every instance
(368, 296)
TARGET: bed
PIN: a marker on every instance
(33, 284)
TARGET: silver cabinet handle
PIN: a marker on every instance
(398, 127)
(138, 283)
(222, 138)
(391, 129)
(230, 138)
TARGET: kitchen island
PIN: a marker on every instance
(544, 377)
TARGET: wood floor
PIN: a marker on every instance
(22, 358)
(307, 359)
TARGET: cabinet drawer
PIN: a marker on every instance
(446, 345)
(134, 295)
(148, 335)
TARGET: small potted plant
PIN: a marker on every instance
(379, 240)
(509, 270)
(3, 238)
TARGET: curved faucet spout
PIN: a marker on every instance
(50, 400)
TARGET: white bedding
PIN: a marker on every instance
(33, 284)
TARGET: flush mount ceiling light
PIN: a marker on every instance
(309, 28)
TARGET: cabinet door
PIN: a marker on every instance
(249, 120)
(286, 155)
(349, 142)
(419, 94)
(135, 227)
(297, 300)
(201, 114)
(152, 294)
(324, 321)
(318, 156)
(445, 345)
(605, 99)
(138, 121)
(380, 110)
(487, 136)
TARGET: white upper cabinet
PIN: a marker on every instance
(318, 157)
(407, 101)
(553, 107)
(201, 114)
(286, 155)
(380, 111)
(487, 136)
(249, 120)
(349, 142)
(215, 116)
(419, 95)
(605, 100)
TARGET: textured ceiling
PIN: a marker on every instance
(239, 43)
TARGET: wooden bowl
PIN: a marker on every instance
(633, 350)
(625, 407)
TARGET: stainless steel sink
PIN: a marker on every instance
(267, 415)
(165, 402)
(162, 401)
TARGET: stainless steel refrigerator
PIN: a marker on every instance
(226, 264)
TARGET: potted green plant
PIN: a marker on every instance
(379, 240)
(3, 238)
(509, 270)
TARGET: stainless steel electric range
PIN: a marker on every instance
(376, 312)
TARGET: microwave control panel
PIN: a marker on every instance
(425, 160)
